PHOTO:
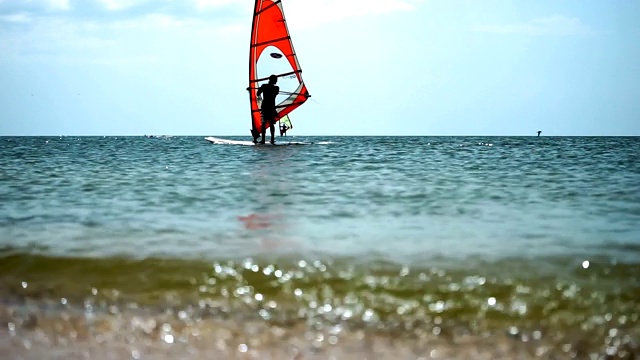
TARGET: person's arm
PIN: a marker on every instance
(259, 91)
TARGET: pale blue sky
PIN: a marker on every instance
(373, 67)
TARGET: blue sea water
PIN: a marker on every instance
(426, 221)
(397, 197)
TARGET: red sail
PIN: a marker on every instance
(272, 52)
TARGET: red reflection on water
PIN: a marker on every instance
(257, 221)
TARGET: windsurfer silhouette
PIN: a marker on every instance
(268, 107)
(283, 130)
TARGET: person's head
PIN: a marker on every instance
(273, 79)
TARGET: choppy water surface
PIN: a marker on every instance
(374, 247)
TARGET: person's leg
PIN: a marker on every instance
(271, 128)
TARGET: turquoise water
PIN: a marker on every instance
(485, 234)
(397, 196)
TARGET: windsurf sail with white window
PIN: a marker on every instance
(272, 53)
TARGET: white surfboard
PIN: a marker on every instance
(220, 141)
(215, 140)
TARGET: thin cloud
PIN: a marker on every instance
(19, 18)
(555, 25)
(59, 4)
(310, 14)
(102, 29)
(167, 12)
(63, 40)
(116, 5)
(214, 4)
(240, 11)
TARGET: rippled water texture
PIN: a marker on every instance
(350, 247)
